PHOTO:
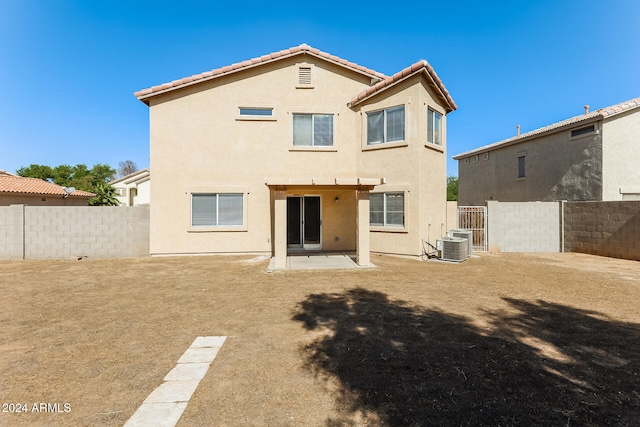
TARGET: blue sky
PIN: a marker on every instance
(68, 69)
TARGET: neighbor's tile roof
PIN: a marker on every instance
(418, 67)
(382, 81)
(33, 186)
(229, 69)
(602, 113)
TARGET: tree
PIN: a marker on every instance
(126, 168)
(78, 176)
(452, 188)
(105, 196)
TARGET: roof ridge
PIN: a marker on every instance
(603, 113)
(417, 67)
(235, 67)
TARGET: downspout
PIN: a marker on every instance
(562, 202)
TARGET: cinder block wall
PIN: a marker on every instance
(523, 226)
(603, 228)
(55, 232)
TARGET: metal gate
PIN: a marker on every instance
(474, 218)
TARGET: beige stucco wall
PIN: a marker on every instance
(620, 154)
(43, 200)
(558, 167)
(199, 143)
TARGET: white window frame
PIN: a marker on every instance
(217, 226)
(313, 121)
(244, 113)
(434, 127)
(385, 212)
(385, 137)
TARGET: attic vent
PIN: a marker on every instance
(304, 76)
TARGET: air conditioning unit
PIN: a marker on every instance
(463, 234)
(453, 249)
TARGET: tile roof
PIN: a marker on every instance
(34, 186)
(419, 67)
(602, 113)
(382, 81)
(233, 68)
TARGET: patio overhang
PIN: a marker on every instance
(283, 186)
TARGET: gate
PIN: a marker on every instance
(474, 218)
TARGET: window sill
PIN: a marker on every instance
(256, 119)
(312, 148)
(524, 178)
(383, 145)
(434, 147)
(379, 229)
(215, 229)
(304, 86)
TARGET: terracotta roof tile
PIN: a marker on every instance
(35, 186)
(595, 115)
(418, 67)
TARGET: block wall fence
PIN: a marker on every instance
(603, 228)
(59, 232)
(599, 228)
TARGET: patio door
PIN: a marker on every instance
(304, 223)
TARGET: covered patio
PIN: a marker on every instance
(320, 215)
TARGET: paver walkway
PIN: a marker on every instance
(165, 405)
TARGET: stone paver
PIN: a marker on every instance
(165, 405)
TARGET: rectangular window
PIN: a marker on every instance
(217, 210)
(583, 131)
(313, 130)
(521, 171)
(385, 125)
(434, 126)
(263, 112)
(386, 209)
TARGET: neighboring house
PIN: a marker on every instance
(133, 189)
(591, 157)
(18, 190)
(298, 150)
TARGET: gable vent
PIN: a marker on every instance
(304, 76)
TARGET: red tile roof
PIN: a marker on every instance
(600, 114)
(233, 68)
(381, 81)
(418, 67)
(33, 186)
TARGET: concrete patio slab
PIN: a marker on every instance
(317, 261)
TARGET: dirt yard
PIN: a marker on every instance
(508, 339)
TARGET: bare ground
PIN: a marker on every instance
(508, 339)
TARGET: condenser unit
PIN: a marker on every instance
(463, 234)
(453, 249)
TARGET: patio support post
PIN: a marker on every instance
(280, 229)
(363, 256)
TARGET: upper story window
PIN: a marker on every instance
(313, 130)
(385, 125)
(259, 112)
(583, 130)
(434, 127)
(521, 166)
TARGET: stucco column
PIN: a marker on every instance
(363, 256)
(280, 230)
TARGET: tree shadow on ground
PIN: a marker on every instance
(537, 364)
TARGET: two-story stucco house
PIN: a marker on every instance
(591, 157)
(298, 150)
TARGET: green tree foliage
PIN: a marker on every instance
(452, 188)
(105, 195)
(79, 177)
